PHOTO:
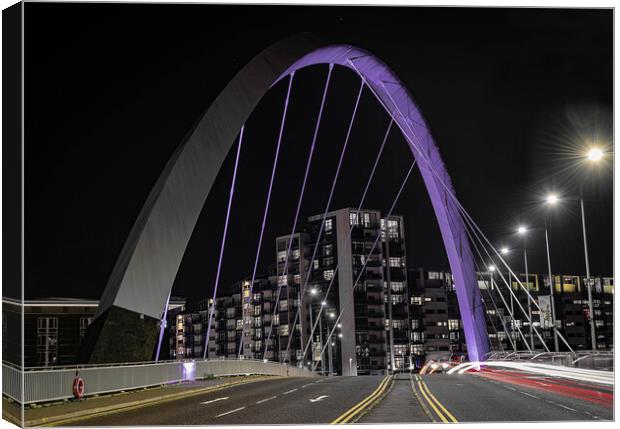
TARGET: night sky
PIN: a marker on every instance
(510, 95)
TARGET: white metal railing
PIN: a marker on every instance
(585, 359)
(49, 384)
(12, 382)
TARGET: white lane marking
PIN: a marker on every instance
(289, 391)
(266, 399)
(306, 385)
(564, 406)
(215, 400)
(320, 398)
(230, 412)
(529, 394)
(511, 388)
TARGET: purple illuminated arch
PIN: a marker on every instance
(147, 266)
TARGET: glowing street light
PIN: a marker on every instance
(323, 303)
(521, 230)
(595, 154)
(504, 250)
(313, 291)
(491, 267)
(552, 199)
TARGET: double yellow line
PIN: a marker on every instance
(361, 406)
(437, 407)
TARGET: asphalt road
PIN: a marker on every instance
(286, 400)
(489, 396)
(500, 396)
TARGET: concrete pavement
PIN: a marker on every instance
(399, 405)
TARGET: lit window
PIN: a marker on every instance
(282, 280)
(366, 217)
(315, 264)
(295, 254)
(453, 324)
(353, 218)
(283, 331)
(281, 255)
(395, 262)
(397, 286)
(328, 274)
(328, 225)
(283, 304)
(397, 299)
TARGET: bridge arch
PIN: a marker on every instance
(140, 283)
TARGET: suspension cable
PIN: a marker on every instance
(219, 262)
(509, 289)
(501, 346)
(359, 208)
(327, 207)
(400, 190)
(449, 191)
(301, 196)
(262, 229)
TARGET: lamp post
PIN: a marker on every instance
(594, 155)
(492, 269)
(505, 251)
(552, 199)
(522, 230)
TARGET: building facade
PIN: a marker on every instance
(53, 329)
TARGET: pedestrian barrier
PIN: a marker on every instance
(50, 384)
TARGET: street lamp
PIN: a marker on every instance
(313, 291)
(552, 199)
(504, 251)
(594, 155)
(522, 230)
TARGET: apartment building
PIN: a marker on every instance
(346, 276)
(355, 284)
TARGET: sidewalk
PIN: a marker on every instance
(398, 406)
(63, 410)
